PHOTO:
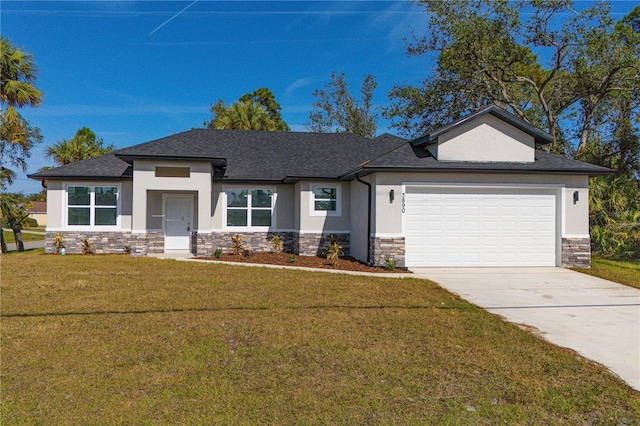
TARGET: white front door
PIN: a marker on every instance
(178, 222)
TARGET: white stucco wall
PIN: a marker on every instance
(326, 223)
(486, 138)
(144, 180)
(573, 220)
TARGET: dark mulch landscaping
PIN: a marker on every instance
(345, 263)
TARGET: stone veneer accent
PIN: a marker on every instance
(302, 244)
(576, 252)
(392, 247)
(108, 242)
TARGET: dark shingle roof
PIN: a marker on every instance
(106, 166)
(275, 156)
(288, 156)
(418, 158)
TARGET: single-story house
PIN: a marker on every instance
(474, 193)
(38, 212)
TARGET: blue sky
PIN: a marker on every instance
(134, 71)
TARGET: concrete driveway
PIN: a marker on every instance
(597, 318)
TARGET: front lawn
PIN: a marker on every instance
(123, 340)
(621, 271)
(26, 236)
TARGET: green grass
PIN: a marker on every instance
(26, 236)
(117, 339)
(622, 271)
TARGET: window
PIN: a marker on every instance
(325, 200)
(92, 205)
(249, 208)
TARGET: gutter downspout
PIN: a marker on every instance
(368, 219)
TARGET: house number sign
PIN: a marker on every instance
(403, 202)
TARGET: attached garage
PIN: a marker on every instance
(466, 226)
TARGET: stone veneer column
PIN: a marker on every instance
(391, 247)
(576, 252)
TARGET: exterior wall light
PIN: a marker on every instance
(576, 197)
(392, 195)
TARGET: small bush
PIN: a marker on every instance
(58, 242)
(246, 253)
(236, 245)
(291, 258)
(218, 253)
(334, 249)
(389, 263)
(276, 243)
(86, 246)
(127, 249)
(30, 223)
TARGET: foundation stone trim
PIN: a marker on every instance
(391, 247)
(576, 252)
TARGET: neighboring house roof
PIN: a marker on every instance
(38, 207)
(541, 137)
(290, 156)
(106, 166)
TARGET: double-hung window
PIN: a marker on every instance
(92, 205)
(325, 200)
(249, 207)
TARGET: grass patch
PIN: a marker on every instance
(26, 236)
(621, 271)
(116, 339)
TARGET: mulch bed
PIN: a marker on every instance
(345, 263)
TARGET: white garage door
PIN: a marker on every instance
(480, 226)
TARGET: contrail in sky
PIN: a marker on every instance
(173, 17)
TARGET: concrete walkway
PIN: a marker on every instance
(597, 318)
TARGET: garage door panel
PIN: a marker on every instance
(480, 227)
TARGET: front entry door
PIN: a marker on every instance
(178, 222)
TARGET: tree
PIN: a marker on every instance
(489, 54)
(82, 146)
(18, 74)
(252, 111)
(337, 110)
(12, 213)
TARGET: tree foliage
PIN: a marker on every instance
(555, 72)
(18, 75)
(336, 109)
(82, 146)
(252, 111)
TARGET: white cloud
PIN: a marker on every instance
(301, 82)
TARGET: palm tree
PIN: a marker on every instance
(245, 115)
(18, 74)
(82, 146)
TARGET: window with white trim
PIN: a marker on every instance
(325, 200)
(92, 205)
(249, 207)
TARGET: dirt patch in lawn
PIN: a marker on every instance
(345, 263)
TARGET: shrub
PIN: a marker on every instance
(334, 249)
(236, 245)
(58, 242)
(86, 246)
(291, 258)
(389, 263)
(30, 223)
(246, 253)
(276, 243)
(218, 253)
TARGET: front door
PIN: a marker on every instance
(178, 222)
